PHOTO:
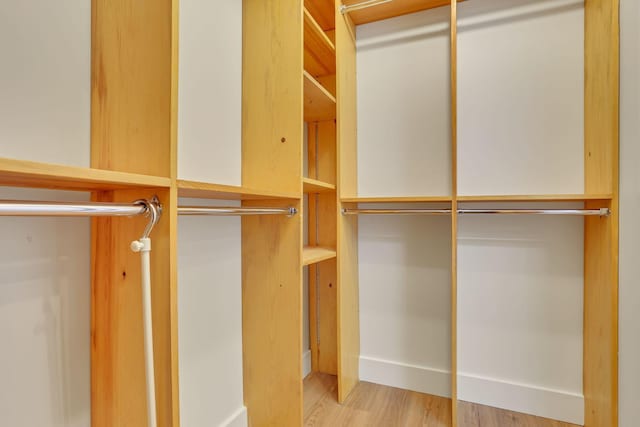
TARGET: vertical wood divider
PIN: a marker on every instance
(454, 214)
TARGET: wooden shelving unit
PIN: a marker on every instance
(316, 254)
(536, 198)
(319, 104)
(392, 9)
(393, 199)
(314, 186)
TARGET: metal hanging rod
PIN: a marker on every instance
(396, 211)
(365, 4)
(29, 208)
(575, 212)
(228, 211)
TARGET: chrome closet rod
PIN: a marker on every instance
(396, 211)
(575, 212)
(363, 5)
(228, 211)
(37, 208)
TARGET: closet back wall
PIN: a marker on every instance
(45, 283)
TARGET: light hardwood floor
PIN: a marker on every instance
(373, 405)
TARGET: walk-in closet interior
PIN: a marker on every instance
(309, 212)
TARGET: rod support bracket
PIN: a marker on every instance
(153, 211)
(292, 211)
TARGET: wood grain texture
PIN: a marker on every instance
(391, 9)
(454, 208)
(322, 156)
(315, 254)
(272, 98)
(319, 103)
(22, 173)
(600, 354)
(371, 405)
(474, 415)
(131, 66)
(536, 198)
(319, 50)
(348, 298)
(323, 11)
(205, 190)
(314, 186)
(117, 370)
(272, 317)
(411, 199)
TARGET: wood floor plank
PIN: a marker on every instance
(374, 405)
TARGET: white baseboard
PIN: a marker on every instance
(306, 363)
(410, 377)
(543, 402)
(237, 419)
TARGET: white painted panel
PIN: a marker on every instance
(45, 81)
(404, 137)
(521, 97)
(45, 288)
(209, 317)
(405, 298)
(210, 91)
(520, 305)
(629, 213)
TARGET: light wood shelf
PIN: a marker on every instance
(536, 198)
(203, 190)
(22, 173)
(411, 199)
(319, 104)
(391, 9)
(315, 254)
(323, 12)
(310, 185)
(319, 50)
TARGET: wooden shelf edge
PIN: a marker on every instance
(24, 173)
(204, 190)
(408, 199)
(320, 52)
(392, 9)
(313, 25)
(535, 198)
(315, 254)
(310, 185)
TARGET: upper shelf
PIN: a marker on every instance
(391, 9)
(203, 190)
(319, 104)
(323, 11)
(536, 198)
(412, 199)
(319, 50)
(22, 173)
(310, 185)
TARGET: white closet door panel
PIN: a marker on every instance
(521, 97)
(45, 287)
(404, 108)
(45, 81)
(405, 290)
(209, 317)
(210, 91)
(520, 300)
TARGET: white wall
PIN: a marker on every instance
(210, 91)
(520, 97)
(405, 301)
(210, 319)
(629, 213)
(404, 106)
(520, 299)
(45, 288)
(45, 81)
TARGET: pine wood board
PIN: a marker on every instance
(204, 190)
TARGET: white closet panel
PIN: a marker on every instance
(521, 97)
(45, 287)
(210, 91)
(404, 137)
(45, 81)
(210, 319)
(405, 301)
(520, 311)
